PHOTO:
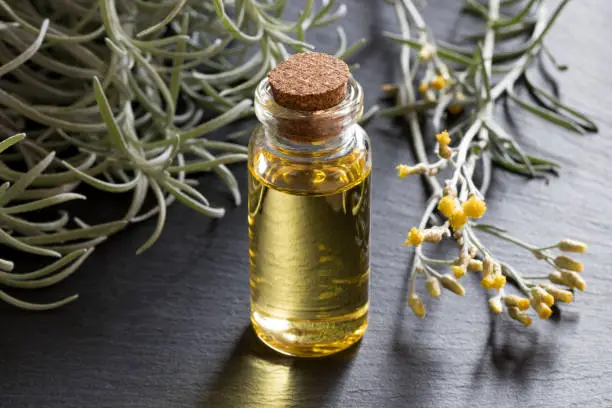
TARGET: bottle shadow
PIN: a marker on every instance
(256, 376)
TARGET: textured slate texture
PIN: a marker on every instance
(170, 328)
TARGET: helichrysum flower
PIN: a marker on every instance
(495, 304)
(416, 304)
(415, 237)
(447, 205)
(443, 138)
(458, 219)
(568, 263)
(423, 87)
(543, 296)
(499, 281)
(516, 314)
(569, 245)
(573, 280)
(474, 207)
(450, 283)
(516, 301)
(559, 294)
(433, 286)
(458, 271)
(541, 308)
(474, 265)
(438, 83)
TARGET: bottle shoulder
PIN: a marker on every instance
(310, 174)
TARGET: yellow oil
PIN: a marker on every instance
(309, 227)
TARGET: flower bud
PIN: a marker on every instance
(573, 280)
(517, 315)
(543, 296)
(433, 286)
(495, 304)
(555, 277)
(426, 52)
(569, 245)
(450, 283)
(559, 294)
(543, 310)
(568, 263)
(516, 301)
(474, 265)
(416, 304)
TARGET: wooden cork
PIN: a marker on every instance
(309, 81)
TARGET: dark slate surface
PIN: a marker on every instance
(170, 328)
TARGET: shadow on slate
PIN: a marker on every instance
(256, 376)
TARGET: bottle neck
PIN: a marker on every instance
(309, 133)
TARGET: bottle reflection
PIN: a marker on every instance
(255, 376)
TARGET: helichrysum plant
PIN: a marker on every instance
(464, 83)
(122, 96)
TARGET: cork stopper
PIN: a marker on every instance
(309, 81)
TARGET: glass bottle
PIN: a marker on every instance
(309, 225)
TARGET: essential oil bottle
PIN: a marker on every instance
(309, 208)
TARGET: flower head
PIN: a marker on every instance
(447, 205)
(415, 237)
(542, 295)
(458, 271)
(443, 138)
(458, 219)
(499, 282)
(423, 87)
(474, 207)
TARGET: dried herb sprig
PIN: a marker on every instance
(470, 81)
(121, 95)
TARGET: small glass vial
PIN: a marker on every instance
(309, 208)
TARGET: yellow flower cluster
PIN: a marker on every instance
(434, 234)
(474, 207)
